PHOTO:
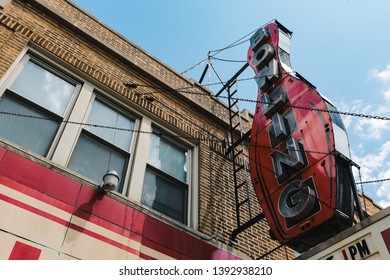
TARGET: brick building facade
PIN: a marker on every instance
(159, 115)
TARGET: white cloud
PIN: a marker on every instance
(371, 137)
(373, 166)
(383, 75)
(383, 192)
(366, 128)
(350, 106)
(371, 129)
(386, 95)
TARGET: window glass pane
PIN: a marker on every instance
(164, 196)
(32, 133)
(92, 159)
(106, 116)
(168, 157)
(44, 88)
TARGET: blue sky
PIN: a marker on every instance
(340, 46)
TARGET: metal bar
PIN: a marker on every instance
(270, 251)
(240, 185)
(204, 73)
(246, 135)
(235, 114)
(233, 104)
(357, 201)
(232, 79)
(243, 202)
(239, 153)
(234, 127)
(238, 142)
(239, 168)
(233, 93)
(247, 225)
(234, 161)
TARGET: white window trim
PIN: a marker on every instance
(71, 131)
(13, 73)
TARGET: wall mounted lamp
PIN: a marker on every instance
(110, 181)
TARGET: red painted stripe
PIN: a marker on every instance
(22, 251)
(164, 250)
(71, 225)
(35, 194)
(33, 210)
(166, 239)
(80, 212)
(104, 239)
(107, 225)
(40, 178)
(146, 257)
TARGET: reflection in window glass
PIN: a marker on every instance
(32, 132)
(92, 159)
(165, 196)
(168, 157)
(108, 117)
(101, 149)
(165, 183)
(43, 88)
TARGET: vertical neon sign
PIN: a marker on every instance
(297, 188)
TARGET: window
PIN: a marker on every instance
(166, 179)
(105, 146)
(52, 112)
(35, 106)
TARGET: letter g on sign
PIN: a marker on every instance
(297, 200)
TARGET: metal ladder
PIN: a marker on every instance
(235, 150)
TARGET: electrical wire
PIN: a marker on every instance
(374, 181)
(101, 126)
(345, 113)
(208, 138)
(193, 67)
(227, 60)
(239, 41)
(200, 139)
(236, 43)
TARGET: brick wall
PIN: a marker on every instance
(368, 205)
(102, 55)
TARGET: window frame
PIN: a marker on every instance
(191, 177)
(177, 184)
(51, 67)
(97, 95)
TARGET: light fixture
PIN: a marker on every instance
(110, 181)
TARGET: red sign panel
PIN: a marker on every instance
(294, 162)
